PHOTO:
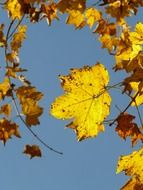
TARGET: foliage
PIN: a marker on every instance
(86, 89)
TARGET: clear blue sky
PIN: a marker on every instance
(90, 164)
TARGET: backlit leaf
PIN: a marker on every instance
(18, 38)
(86, 100)
(132, 166)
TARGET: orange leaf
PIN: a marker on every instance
(125, 127)
(32, 151)
(7, 129)
(5, 109)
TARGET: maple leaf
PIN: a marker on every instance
(125, 127)
(18, 38)
(15, 8)
(104, 27)
(7, 129)
(132, 166)
(76, 18)
(132, 184)
(65, 6)
(135, 87)
(92, 15)
(6, 109)
(108, 42)
(32, 151)
(86, 100)
(49, 12)
(137, 36)
(29, 97)
(118, 10)
(5, 87)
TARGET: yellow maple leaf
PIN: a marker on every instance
(132, 184)
(29, 97)
(15, 8)
(139, 99)
(18, 38)
(4, 88)
(86, 100)
(137, 36)
(132, 166)
(92, 15)
(76, 18)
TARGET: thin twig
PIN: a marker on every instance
(15, 103)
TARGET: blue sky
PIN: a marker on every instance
(90, 164)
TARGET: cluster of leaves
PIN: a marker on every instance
(87, 87)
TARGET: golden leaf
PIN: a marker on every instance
(108, 42)
(7, 129)
(18, 38)
(132, 184)
(137, 36)
(29, 97)
(15, 8)
(104, 27)
(139, 99)
(4, 88)
(76, 18)
(32, 151)
(132, 166)
(65, 6)
(49, 12)
(5, 109)
(86, 100)
(92, 15)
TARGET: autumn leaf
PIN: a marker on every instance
(29, 97)
(15, 8)
(6, 109)
(49, 12)
(132, 184)
(132, 166)
(4, 88)
(76, 18)
(8, 129)
(135, 88)
(103, 27)
(32, 151)
(65, 6)
(18, 38)
(137, 36)
(86, 100)
(92, 15)
(126, 128)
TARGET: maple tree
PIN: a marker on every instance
(86, 87)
